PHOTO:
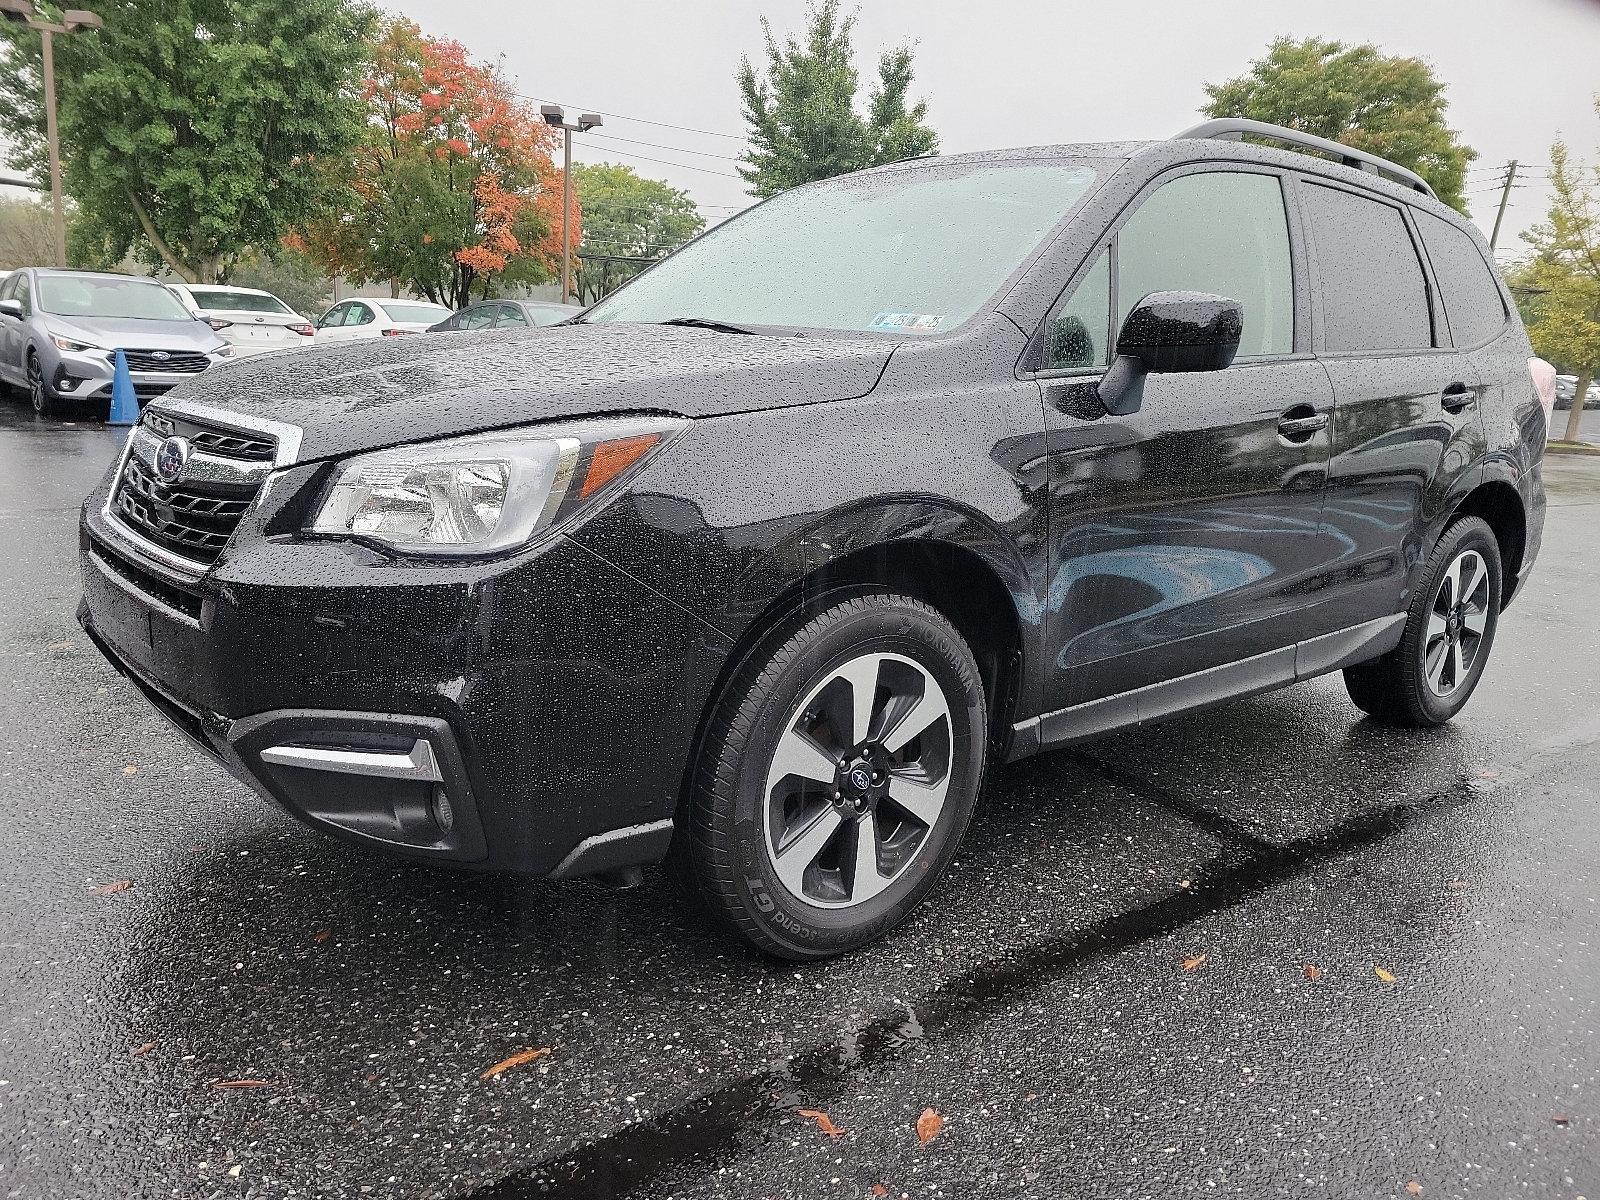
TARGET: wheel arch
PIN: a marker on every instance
(1500, 505)
(970, 582)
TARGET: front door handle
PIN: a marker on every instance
(1297, 424)
(1456, 397)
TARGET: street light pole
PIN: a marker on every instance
(556, 116)
(23, 12)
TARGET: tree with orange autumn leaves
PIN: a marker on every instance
(453, 191)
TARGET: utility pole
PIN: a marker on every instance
(23, 12)
(553, 114)
(1505, 198)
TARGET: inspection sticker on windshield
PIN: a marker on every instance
(913, 322)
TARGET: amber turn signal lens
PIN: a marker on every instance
(611, 459)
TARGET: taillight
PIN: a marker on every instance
(1544, 382)
(217, 322)
(303, 330)
(394, 332)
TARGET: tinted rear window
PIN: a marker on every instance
(1374, 294)
(1471, 299)
(209, 298)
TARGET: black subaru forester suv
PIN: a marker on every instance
(763, 561)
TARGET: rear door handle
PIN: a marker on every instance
(1456, 397)
(1299, 428)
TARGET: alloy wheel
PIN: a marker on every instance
(36, 386)
(858, 780)
(1456, 623)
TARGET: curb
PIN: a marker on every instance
(1560, 447)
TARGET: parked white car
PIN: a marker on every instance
(356, 320)
(248, 319)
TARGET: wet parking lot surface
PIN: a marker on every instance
(1272, 949)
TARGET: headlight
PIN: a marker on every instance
(71, 346)
(487, 493)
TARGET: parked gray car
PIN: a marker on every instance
(60, 329)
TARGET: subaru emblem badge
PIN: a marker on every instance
(171, 457)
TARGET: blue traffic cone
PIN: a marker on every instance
(124, 404)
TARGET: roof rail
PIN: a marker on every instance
(1236, 129)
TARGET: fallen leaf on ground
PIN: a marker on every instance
(516, 1060)
(321, 936)
(1414, 1188)
(59, 646)
(928, 1125)
(130, 769)
(1386, 976)
(1560, 1120)
(823, 1120)
(1488, 774)
(112, 888)
(1191, 963)
(1184, 883)
(141, 1051)
(228, 1084)
(1313, 971)
(879, 1190)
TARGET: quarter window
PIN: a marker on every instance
(1374, 294)
(1223, 232)
(1472, 300)
(1079, 334)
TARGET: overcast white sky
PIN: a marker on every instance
(1029, 72)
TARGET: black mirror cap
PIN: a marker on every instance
(1180, 332)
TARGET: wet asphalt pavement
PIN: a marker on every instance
(1281, 848)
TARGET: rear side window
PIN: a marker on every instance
(1222, 232)
(1471, 299)
(1374, 294)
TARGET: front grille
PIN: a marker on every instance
(185, 362)
(228, 443)
(192, 517)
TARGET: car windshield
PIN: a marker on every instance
(910, 251)
(400, 310)
(210, 298)
(84, 296)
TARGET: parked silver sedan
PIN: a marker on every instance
(59, 331)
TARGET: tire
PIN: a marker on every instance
(781, 854)
(1431, 674)
(44, 403)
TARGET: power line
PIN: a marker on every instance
(738, 137)
(666, 163)
(612, 137)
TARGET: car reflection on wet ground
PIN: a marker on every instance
(1153, 972)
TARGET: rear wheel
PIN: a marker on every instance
(838, 776)
(1450, 627)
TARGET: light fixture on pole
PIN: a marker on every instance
(23, 12)
(555, 115)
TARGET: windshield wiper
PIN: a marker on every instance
(707, 323)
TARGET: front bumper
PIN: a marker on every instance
(89, 376)
(545, 705)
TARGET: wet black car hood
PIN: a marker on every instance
(389, 391)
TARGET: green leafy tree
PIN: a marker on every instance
(802, 111)
(191, 129)
(1358, 96)
(1560, 287)
(628, 222)
(290, 275)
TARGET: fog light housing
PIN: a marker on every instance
(443, 815)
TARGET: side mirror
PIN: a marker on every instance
(1170, 333)
(11, 308)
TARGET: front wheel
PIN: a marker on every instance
(838, 776)
(1450, 627)
(38, 393)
